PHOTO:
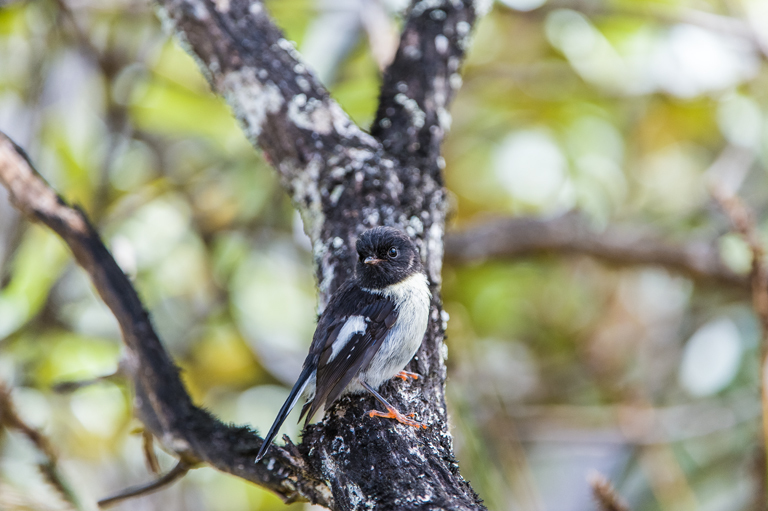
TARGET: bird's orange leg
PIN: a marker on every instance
(391, 413)
(404, 375)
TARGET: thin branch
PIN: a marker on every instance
(48, 468)
(148, 446)
(606, 496)
(662, 13)
(67, 387)
(571, 235)
(172, 476)
(177, 472)
(162, 403)
(743, 222)
(624, 424)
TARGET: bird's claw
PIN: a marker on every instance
(399, 417)
(404, 375)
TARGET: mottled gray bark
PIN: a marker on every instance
(342, 181)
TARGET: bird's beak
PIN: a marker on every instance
(372, 260)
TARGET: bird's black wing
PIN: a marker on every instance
(334, 373)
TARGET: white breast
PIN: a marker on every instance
(412, 298)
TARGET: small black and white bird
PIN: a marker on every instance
(372, 327)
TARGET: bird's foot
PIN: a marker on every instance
(391, 413)
(404, 375)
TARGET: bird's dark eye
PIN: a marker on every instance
(392, 252)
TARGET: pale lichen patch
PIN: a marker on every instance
(336, 194)
(306, 196)
(441, 43)
(310, 114)
(289, 47)
(423, 6)
(455, 81)
(338, 172)
(416, 225)
(418, 117)
(482, 7)
(348, 129)
(434, 241)
(251, 99)
(445, 317)
(303, 83)
(444, 119)
(438, 15)
(222, 5)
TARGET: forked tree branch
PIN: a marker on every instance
(342, 181)
(161, 401)
(49, 469)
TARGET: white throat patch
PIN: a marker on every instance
(414, 287)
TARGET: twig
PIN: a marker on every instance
(175, 473)
(570, 235)
(604, 493)
(66, 387)
(726, 25)
(625, 424)
(48, 468)
(148, 446)
(743, 223)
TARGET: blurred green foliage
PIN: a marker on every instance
(623, 110)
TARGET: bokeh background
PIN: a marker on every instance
(623, 110)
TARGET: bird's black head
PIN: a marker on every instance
(386, 256)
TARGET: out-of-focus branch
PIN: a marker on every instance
(743, 222)
(161, 401)
(148, 446)
(172, 476)
(49, 467)
(624, 424)
(605, 495)
(570, 235)
(662, 13)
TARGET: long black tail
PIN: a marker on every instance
(293, 398)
